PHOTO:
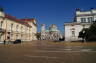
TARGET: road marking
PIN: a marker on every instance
(48, 57)
(86, 49)
(76, 49)
(83, 50)
(66, 49)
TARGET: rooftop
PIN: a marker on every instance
(21, 21)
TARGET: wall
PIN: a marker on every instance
(24, 32)
(77, 29)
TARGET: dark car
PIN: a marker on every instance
(17, 41)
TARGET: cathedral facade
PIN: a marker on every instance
(51, 34)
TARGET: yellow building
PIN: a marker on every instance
(12, 28)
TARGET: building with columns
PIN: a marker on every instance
(83, 19)
(12, 28)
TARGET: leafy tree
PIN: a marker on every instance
(84, 33)
(89, 34)
(92, 32)
(38, 35)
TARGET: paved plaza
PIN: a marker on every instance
(44, 52)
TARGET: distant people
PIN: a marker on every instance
(4, 42)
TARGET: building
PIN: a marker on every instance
(83, 19)
(51, 34)
(12, 28)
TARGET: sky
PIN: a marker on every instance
(47, 11)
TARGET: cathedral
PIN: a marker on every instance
(51, 34)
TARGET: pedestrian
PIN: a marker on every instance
(4, 42)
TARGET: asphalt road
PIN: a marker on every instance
(42, 52)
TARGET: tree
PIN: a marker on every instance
(89, 34)
(38, 35)
(92, 32)
(83, 34)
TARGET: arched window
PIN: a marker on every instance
(73, 33)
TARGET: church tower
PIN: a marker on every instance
(43, 30)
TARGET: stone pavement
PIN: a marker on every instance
(43, 52)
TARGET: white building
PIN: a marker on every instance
(83, 19)
(12, 28)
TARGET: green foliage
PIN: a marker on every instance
(38, 35)
(90, 33)
(84, 33)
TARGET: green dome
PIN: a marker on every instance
(53, 29)
(47, 30)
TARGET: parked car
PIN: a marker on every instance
(17, 41)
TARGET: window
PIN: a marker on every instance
(83, 20)
(21, 28)
(17, 28)
(90, 19)
(17, 37)
(1, 24)
(11, 26)
(11, 36)
(73, 33)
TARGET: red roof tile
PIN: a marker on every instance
(17, 20)
(29, 19)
